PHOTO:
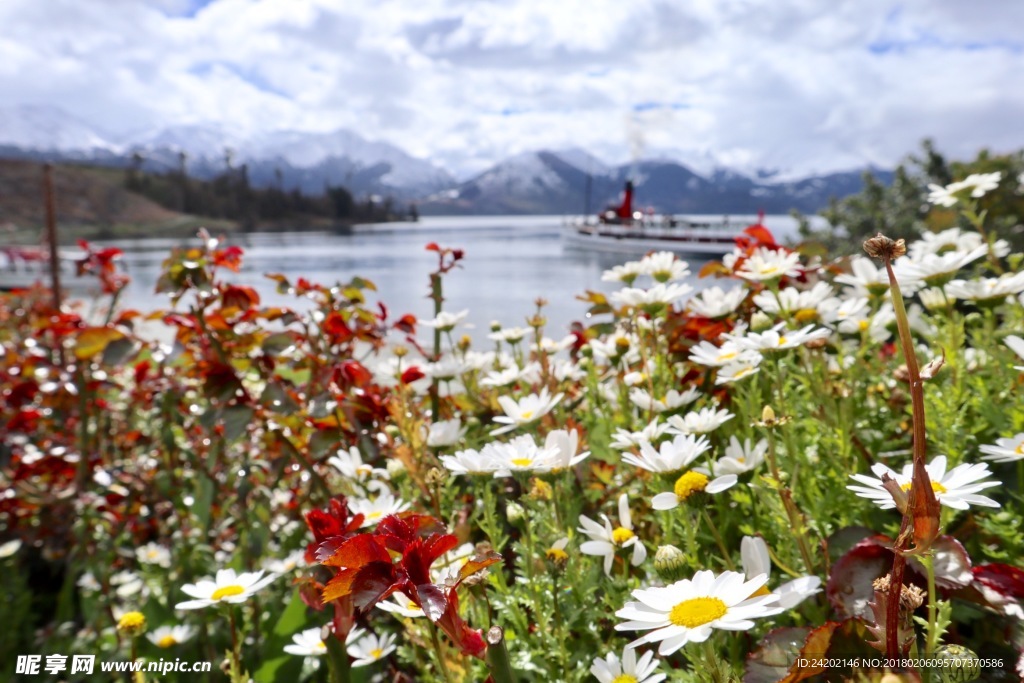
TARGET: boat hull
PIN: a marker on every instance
(624, 239)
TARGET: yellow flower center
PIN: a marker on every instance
(690, 483)
(624, 678)
(936, 486)
(763, 590)
(863, 325)
(727, 356)
(556, 555)
(167, 641)
(806, 314)
(621, 535)
(320, 647)
(521, 462)
(526, 414)
(376, 653)
(132, 621)
(782, 340)
(376, 514)
(153, 554)
(227, 592)
(697, 612)
(769, 270)
(1019, 450)
(741, 460)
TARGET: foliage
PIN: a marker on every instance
(901, 209)
(540, 486)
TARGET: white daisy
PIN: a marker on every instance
(169, 636)
(399, 604)
(987, 289)
(714, 302)
(688, 484)
(688, 610)
(670, 456)
(867, 279)
(935, 269)
(1010, 449)
(624, 440)
(522, 454)
(663, 266)
(153, 553)
(307, 643)
(445, 321)
(706, 353)
(470, 461)
(735, 371)
(956, 489)
(377, 509)
(626, 273)
(445, 433)
(757, 561)
(371, 648)
(700, 421)
(740, 458)
(1016, 345)
(510, 335)
(792, 301)
(525, 410)
(291, 562)
(227, 587)
(981, 183)
(564, 446)
(604, 540)
(654, 298)
(350, 464)
(611, 670)
(779, 338)
(670, 401)
(769, 264)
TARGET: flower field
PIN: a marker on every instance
(810, 469)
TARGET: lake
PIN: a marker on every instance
(509, 262)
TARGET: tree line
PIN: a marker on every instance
(231, 196)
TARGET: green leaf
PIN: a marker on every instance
(279, 666)
(236, 421)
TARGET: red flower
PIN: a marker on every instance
(368, 572)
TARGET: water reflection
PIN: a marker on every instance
(510, 262)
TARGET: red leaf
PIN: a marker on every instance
(411, 375)
(432, 600)
(356, 552)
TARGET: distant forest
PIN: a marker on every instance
(231, 196)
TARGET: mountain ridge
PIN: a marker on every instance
(570, 180)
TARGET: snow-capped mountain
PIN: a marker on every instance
(43, 128)
(561, 181)
(298, 160)
(556, 182)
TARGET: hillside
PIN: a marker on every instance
(91, 202)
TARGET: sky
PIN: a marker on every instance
(802, 86)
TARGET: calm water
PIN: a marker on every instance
(509, 263)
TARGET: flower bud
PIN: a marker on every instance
(964, 664)
(515, 513)
(132, 624)
(396, 468)
(670, 563)
(759, 322)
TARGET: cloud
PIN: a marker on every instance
(799, 85)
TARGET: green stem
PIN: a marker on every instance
(932, 637)
(439, 653)
(721, 543)
(497, 656)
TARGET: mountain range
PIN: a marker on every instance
(567, 181)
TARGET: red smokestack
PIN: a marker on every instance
(625, 210)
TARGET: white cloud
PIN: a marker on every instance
(799, 85)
